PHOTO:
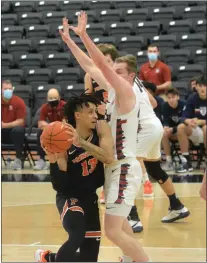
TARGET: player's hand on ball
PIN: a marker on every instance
(72, 133)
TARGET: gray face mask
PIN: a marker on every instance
(53, 103)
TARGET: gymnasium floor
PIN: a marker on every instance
(30, 220)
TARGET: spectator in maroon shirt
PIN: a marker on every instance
(50, 112)
(156, 71)
(13, 114)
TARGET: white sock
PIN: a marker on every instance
(183, 159)
(169, 158)
(145, 177)
(127, 259)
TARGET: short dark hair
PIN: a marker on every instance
(6, 81)
(108, 49)
(153, 45)
(201, 81)
(173, 91)
(75, 103)
(149, 86)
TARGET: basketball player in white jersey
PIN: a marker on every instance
(123, 177)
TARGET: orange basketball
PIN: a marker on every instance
(55, 138)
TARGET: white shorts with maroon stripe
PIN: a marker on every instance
(122, 182)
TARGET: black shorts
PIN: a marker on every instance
(88, 206)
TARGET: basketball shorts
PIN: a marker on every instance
(197, 136)
(122, 183)
(149, 140)
(88, 206)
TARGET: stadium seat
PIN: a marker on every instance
(12, 32)
(98, 5)
(141, 58)
(24, 92)
(46, 46)
(53, 17)
(151, 3)
(15, 75)
(78, 42)
(177, 27)
(109, 16)
(173, 70)
(9, 19)
(96, 29)
(148, 28)
(71, 5)
(193, 12)
(19, 46)
(37, 31)
(125, 4)
(117, 29)
(200, 56)
(177, 56)
(44, 6)
(38, 76)
(73, 89)
(93, 16)
(57, 60)
(182, 87)
(30, 19)
(5, 7)
(135, 15)
(132, 44)
(200, 26)
(64, 76)
(7, 60)
(165, 41)
(105, 40)
(186, 72)
(193, 41)
(30, 61)
(164, 15)
(23, 6)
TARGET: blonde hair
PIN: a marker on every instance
(108, 49)
(131, 62)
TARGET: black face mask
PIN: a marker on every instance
(53, 103)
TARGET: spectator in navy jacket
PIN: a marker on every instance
(172, 115)
(151, 87)
(194, 123)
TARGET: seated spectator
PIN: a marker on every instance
(13, 114)
(50, 111)
(172, 114)
(193, 86)
(194, 123)
(156, 71)
(151, 87)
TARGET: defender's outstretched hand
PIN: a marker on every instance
(65, 33)
(82, 22)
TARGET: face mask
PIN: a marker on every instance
(8, 94)
(152, 56)
(53, 103)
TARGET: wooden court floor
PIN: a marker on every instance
(30, 221)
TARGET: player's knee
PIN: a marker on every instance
(181, 129)
(111, 232)
(155, 171)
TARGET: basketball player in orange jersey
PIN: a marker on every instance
(111, 53)
(122, 178)
(76, 175)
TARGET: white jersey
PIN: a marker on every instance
(146, 111)
(123, 127)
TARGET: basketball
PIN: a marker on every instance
(55, 138)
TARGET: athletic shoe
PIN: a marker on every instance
(185, 167)
(176, 215)
(168, 166)
(40, 165)
(148, 189)
(16, 165)
(137, 226)
(40, 255)
(102, 198)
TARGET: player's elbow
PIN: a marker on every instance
(109, 159)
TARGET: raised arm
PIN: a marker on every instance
(85, 62)
(124, 91)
